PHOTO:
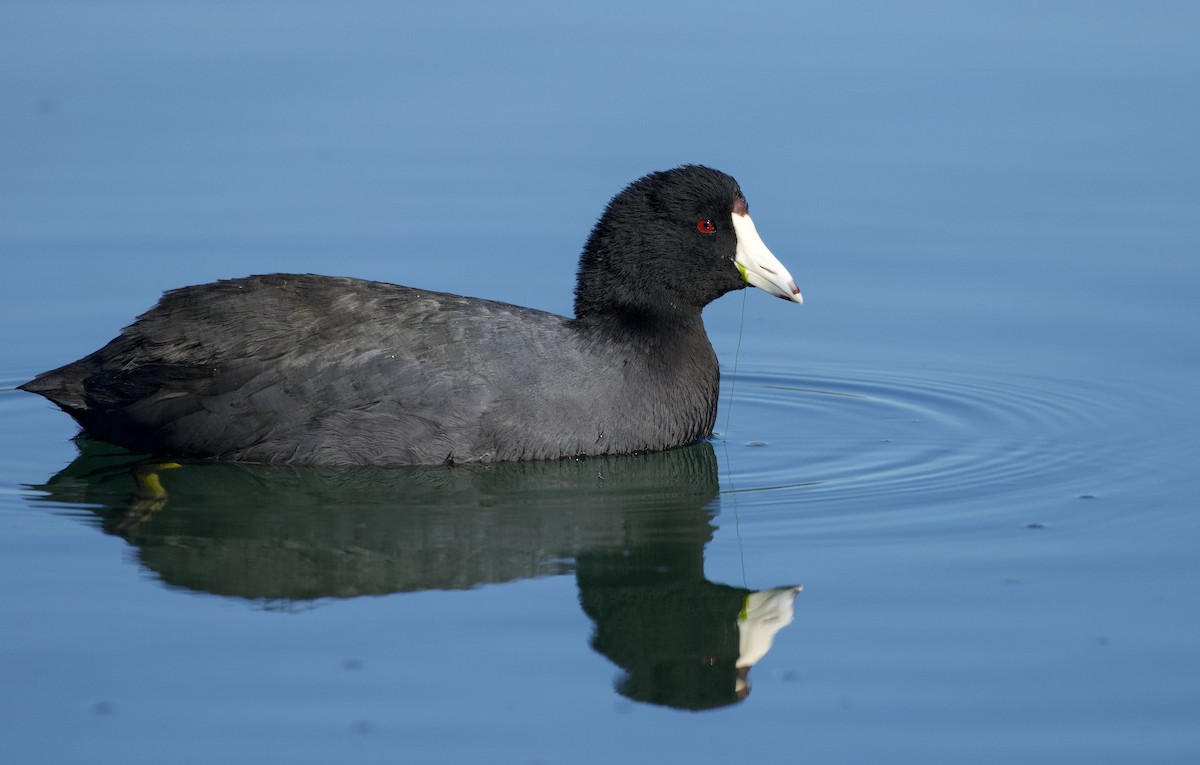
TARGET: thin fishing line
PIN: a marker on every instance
(737, 515)
(736, 353)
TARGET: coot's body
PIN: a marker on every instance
(323, 370)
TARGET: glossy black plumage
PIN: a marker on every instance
(326, 370)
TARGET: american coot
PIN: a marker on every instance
(305, 369)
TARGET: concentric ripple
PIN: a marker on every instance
(927, 436)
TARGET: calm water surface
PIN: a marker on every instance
(974, 447)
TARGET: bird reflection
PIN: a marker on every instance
(680, 640)
(632, 529)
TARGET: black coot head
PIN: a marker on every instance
(666, 244)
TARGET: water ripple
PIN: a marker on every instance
(860, 435)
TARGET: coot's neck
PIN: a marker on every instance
(651, 326)
(664, 373)
(624, 305)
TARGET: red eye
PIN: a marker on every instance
(705, 226)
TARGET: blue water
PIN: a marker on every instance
(975, 445)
